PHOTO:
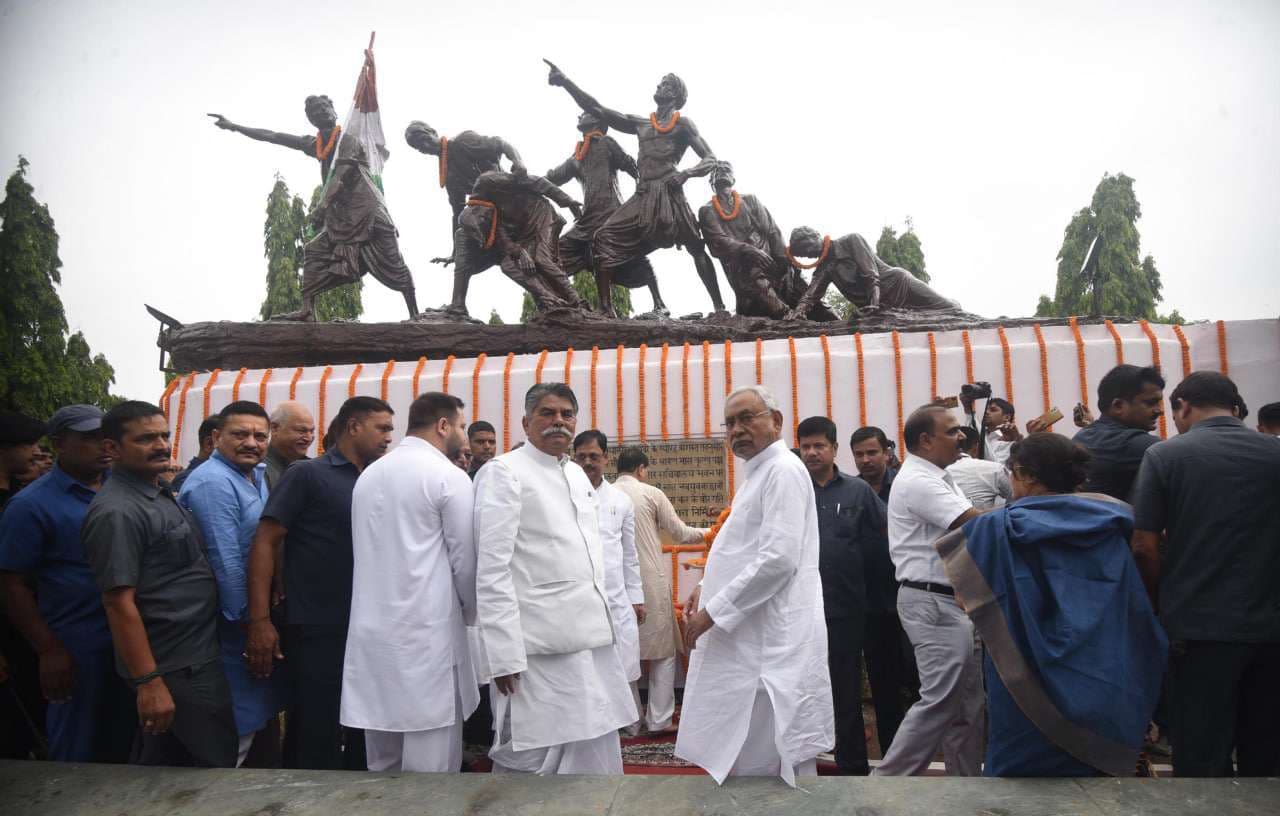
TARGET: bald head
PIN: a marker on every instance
(292, 430)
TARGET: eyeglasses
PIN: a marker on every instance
(742, 419)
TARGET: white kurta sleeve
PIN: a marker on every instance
(457, 525)
(778, 556)
(630, 558)
(669, 522)
(497, 520)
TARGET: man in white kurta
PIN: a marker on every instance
(618, 541)
(757, 700)
(559, 691)
(660, 643)
(408, 679)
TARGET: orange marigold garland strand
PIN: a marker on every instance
(640, 386)
(826, 371)
(1008, 363)
(583, 147)
(208, 390)
(568, 365)
(262, 388)
(968, 356)
(897, 380)
(1044, 367)
(444, 160)
(737, 207)
(617, 379)
(537, 371)
(417, 374)
(1186, 349)
(235, 386)
(714, 530)
(1115, 337)
(293, 383)
(933, 367)
(182, 414)
(667, 128)
(1080, 362)
(506, 402)
(684, 387)
(386, 377)
(1155, 362)
(1224, 364)
(475, 387)
(320, 401)
(444, 375)
(706, 388)
(323, 151)
(862, 381)
(595, 358)
(759, 361)
(826, 248)
(662, 392)
(493, 225)
(795, 392)
(355, 377)
(168, 391)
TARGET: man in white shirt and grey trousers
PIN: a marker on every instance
(924, 505)
(408, 678)
(559, 690)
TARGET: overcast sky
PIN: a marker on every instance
(988, 127)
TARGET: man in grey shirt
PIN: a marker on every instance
(1212, 490)
(160, 598)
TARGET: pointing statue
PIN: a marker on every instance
(321, 146)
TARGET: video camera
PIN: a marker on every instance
(975, 391)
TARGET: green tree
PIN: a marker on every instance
(495, 319)
(903, 250)
(838, 303)
(284, 234)
(585, 284)
(41, 369)
(1130, 283)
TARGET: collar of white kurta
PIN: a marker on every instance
(757, 461)
(924, 466)
(627, 477)
(543, 459)
(418, 442)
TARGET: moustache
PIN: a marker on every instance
(557, 431)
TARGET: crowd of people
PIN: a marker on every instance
(1026, 604)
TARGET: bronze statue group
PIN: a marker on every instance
(506, 218)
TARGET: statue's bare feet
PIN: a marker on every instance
(719, 314)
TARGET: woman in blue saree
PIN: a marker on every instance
(1074, 653)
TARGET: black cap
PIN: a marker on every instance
(79, 418)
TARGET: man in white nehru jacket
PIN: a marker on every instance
(559, 690)
(757, 700)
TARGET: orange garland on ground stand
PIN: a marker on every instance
(1115, 337)
(262, 388)
(684, 387)
(386, 376)
(706, 388)
(235, 386)
(662, 391)
(351, 383)
(293, 383)
(595, 358)
(568, 365)
(1155, 361)
(168, 391)
(537, 371)
(475, 387)
(826, 370)
(320, 423)
(640, 388)
(617, 378)
(444, 375)
(208, 389)
(417, 373)
(1080, 362)
(1008, 363)
(862, 381)
(182, 414)
(759, 361)
(506, 402)
(1186, 349)
(1044, 367)
(933, 367)
(1224, 365)
(897, 377)
(968, 356)
(795, 392)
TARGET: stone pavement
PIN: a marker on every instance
(53, 789)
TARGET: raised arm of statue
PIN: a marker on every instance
(622, 160)
(563, 173)
(700, 147)
(305, 144)
(513, 156)
(612, 118)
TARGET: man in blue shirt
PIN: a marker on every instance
(90, 712)
(1131, 400)
(226, 496)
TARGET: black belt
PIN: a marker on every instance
(941, 589)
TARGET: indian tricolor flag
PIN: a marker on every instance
(363, 121)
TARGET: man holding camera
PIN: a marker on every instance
(998, 431)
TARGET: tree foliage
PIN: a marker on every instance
(585, 284)
(903, 250)
(1129, 283)
(41, 368)
(495, 319)
(284, 235)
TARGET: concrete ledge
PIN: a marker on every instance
(52, 789)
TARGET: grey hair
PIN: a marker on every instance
(283, 411)
(536, 394)
(765, 395)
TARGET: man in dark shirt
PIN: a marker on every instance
(1131, 400)
(1269, 419)
(309, 514)
(1212, 491)
(160, 597)
(891, 664)
(851, 519)
(51, 597)
(483, 440)
(19, 438)
(205, 437)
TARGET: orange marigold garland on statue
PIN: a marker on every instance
(1080, 362)
(584, 147)
(444, 160)
(1223, 363)
(737, 207)
(235, 386)
(667, 128)
(493, 225)
(320, 401)
(826, 248)
(1186, 349)
(323, 150)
